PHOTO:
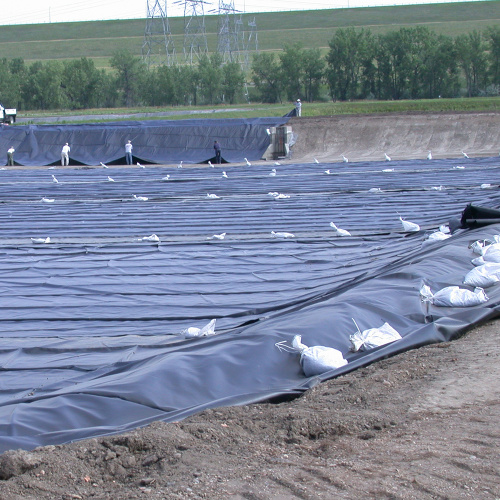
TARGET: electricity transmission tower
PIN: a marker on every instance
(250, 42)
(228, 29)
(195, 37)
(158, 46)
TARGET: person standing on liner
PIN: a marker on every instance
(10, 156)
(65, 155)
(217, 152)
(128, 152)
(298, 108)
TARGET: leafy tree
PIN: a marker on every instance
(210, 77)
(472, 59)
(413, 63)
(18, 71)
(440, 75)
(159, 89)
(42, 87)
(130, 71)
(266, 77)
(109, 94)
(346, 58)
(314, 70)
(418, 42)
(394, 58)
(10, 92)
(493, 38)
(292, 70)
(232, 82)
(188, 85)
(17, 66)
(82, 83)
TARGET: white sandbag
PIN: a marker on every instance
(409, 227)
(281, 235)
(317, 359)
(435, 237)
(153, 238)
(338, 231)
(439, 236)
(483, 276)
(453, 296)
(477, 247)
(320, 359)
(208, 329)
(492, 253)
(373, 337)
(297, 344)
(41, 240)
(478, 261)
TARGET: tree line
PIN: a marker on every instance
(78, 84)
(410, 63)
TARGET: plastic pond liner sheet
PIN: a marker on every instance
(154, 141)
(101, 270)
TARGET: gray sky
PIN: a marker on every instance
(46, 11)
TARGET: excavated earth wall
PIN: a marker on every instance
(402, 136)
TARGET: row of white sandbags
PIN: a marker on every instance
(320, 359)
(485, 274)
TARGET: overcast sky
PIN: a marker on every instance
(55, 11)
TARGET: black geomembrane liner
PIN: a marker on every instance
(90, 323)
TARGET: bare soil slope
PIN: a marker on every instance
(402, 136)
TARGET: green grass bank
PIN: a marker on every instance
(98, 40)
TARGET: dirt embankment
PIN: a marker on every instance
(402, 136)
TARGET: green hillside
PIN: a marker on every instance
(100, 39)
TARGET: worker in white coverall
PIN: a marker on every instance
(298, 107)
(10, 156)
(128, 152)
(65, 155)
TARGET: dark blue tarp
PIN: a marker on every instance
(90, 323)
(154, 141)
